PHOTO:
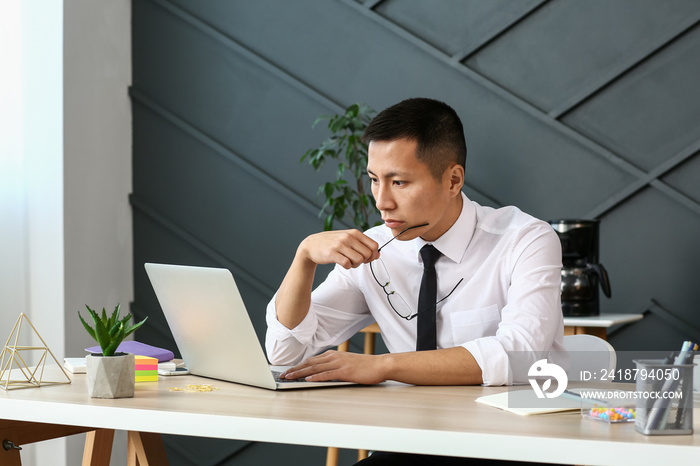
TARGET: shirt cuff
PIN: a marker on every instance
(492, 359)
(303, 333)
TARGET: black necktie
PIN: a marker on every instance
(427, 338)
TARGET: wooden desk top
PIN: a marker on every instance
(392, 417)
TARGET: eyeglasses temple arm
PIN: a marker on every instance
(409, 228)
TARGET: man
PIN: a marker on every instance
(497, 272)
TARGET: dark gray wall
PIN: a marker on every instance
(572, 109)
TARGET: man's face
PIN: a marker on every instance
(407, 194)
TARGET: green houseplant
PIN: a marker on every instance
(346, 147)
(110, 374)
(109, 332)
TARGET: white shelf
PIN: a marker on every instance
(602, 320)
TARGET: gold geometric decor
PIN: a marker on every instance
(12, 364)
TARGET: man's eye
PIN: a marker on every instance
(399, 182)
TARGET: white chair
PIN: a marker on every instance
(589, 353)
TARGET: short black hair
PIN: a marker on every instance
(434, 125)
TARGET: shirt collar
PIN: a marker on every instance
(453, 243)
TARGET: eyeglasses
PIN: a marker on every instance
(396, 301)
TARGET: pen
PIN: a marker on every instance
(669, 359)
(692, 348)
(658, 414)
(680, 411)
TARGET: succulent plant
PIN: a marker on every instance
(109, 332)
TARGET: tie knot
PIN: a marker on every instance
(429, 255)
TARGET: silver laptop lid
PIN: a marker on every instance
(210, 324)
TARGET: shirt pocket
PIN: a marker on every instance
(475, 323)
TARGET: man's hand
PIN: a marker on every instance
(334, 365)
(347, 248)
(450, 366)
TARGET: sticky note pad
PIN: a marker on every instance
(146, 369)
(147, 377)
(145, 363)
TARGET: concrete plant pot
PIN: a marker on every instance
(110, 376)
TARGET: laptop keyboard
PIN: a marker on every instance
(276, 375)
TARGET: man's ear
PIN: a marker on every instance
(455, 175)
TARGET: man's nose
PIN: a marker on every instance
(383, 198)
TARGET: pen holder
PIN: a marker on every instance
(664, 398)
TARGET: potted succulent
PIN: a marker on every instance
(110, 374)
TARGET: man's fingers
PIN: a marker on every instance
(303, 372)
(312, 366)
(324, 376)
(349, 258)
(354, 249)
(358, 247)
(370, 247)
(347, 248)
(334, 365)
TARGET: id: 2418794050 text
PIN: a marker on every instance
(631, 375)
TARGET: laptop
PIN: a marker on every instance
(212, 329)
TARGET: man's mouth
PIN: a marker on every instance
(393, 224)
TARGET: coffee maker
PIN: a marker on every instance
(581, 273)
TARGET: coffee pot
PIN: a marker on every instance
(581, 273)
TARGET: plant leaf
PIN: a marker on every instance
(135, 327)
(345, 145)
(115, 314)
(101, 333)
(114, 329)
(113, 320)
(328, 189)
(114, 344)
(117, 324)
(126, 320)
(320, 119)
(90, 330)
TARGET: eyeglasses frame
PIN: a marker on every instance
(389, 293)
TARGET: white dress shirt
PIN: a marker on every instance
(509, 300)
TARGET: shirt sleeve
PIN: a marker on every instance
(338, 310)
(531, 321)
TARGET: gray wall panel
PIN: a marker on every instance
(648, 115)
(659, 333)
(229, 95)
(686, 178)
(454, 26)
(567, 44)
(650, 248)
(495, 127)
(213, 200)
